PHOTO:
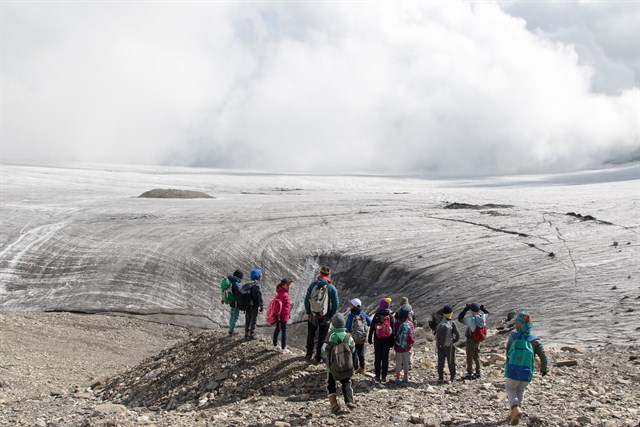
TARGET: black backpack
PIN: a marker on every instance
(243, 299)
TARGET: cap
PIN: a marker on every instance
(356, 302)
(325, 269)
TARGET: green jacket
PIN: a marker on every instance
(334, 337)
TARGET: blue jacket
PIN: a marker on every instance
(354, 312)
(332, 294)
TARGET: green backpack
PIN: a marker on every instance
(521, 364)
(227, 292)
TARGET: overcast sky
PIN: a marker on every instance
(434, 88)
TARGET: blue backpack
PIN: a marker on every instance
(520, 365)
(403, 336)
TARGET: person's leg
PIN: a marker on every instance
(360, 353)
(347, 392)
(384, 368)
(469, 350)
(283, 328)
(247, 322)
(452, 362)
(476, 357)
(406, 364)
(322, 334)
(233, 319)
(520, 391)
(511, 387)
(331, 391)
(311, 336)
(441, 356)
(276, 332)
(398, 366)
(377, 361)
(254, 320)
(354, 358)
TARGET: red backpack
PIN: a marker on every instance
(479, 334)
(383, 328)
(274, 309)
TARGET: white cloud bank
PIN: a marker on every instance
(440, 88)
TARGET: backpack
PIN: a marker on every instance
(444, 334)
(359, 329)
(404, 336)
(521, 359)
(275, 306)
(227, 291)
(383, 326)
(479, 334)
(319, 300)
(436, 319)
(243, 302)
(341, 360)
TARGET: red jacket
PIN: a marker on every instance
(282, 295)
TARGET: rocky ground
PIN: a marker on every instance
(61, 369)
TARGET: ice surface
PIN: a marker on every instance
(79, 239)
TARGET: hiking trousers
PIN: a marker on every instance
(332, 386)
(321, 330)
(381, 349)
(280, 327)
(403, 361)
(448, 354)
(358, 356)
(515, 391)
(234, 314)
(250, 319)
(473, 355)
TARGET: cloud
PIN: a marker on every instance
(435, 88)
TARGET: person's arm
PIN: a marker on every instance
(366, 317)
(258, 290)
(347, 325)
(371, 329)
(484, 309)
(538, 348)
(454, 332)
(334, 300)
(463, 313)
(307, 298)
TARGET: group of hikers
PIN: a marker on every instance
(339, 339)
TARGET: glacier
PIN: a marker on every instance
(77, 238)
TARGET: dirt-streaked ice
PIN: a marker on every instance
(79, 239)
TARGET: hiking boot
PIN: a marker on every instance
(276, 348)
(383, 380)
(286, 351)
(333, 403)
(396, 381)
(376, 379)
(440, 381)
(360, 371)
(515, 415)
(453, 378)
(468, 377)
(405, 379)
(476, 376)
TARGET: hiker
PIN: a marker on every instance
(446, 336)
(230, 287)
(358, 323)
(338, 352)
(320, 304)
(404, 339)
(280, 312)
(522, 347)
(250, 301)
(381, 336)
(404, 305)
(476, 333)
